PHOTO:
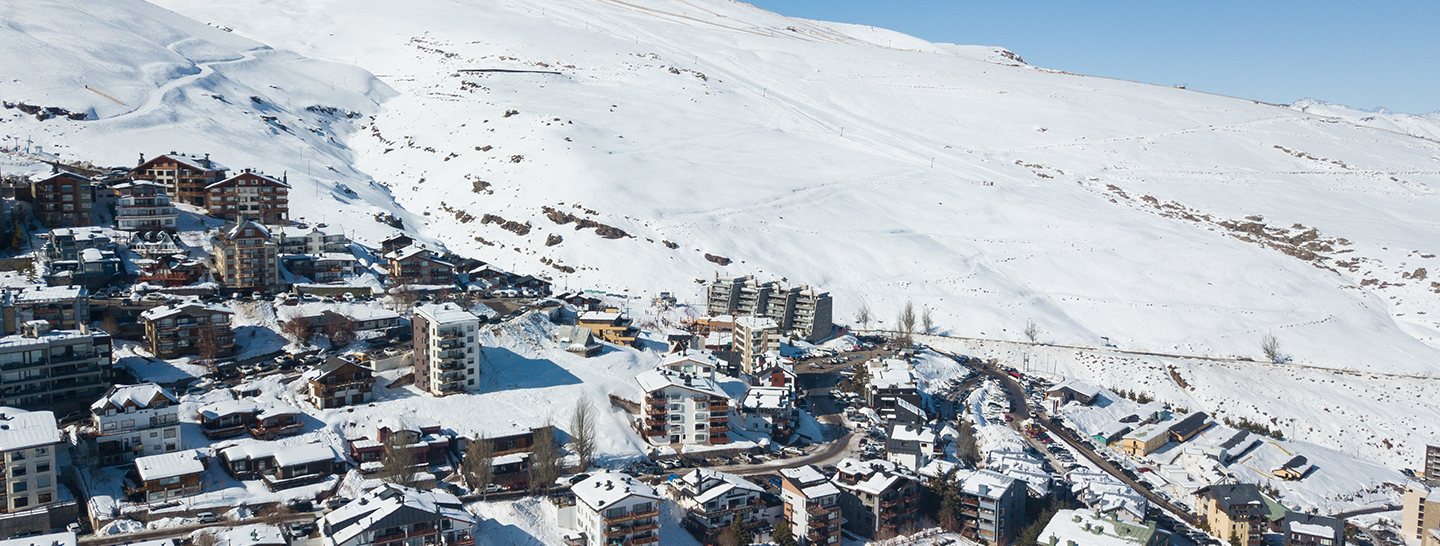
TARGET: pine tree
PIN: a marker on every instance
(783, 535)
(736, 535)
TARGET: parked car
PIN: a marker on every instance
(207, 517)
(493, 488)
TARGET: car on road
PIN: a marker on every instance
(494, 488)
(207, 517)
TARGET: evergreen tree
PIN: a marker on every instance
(783, 535)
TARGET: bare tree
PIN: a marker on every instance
(927, 322)
(403, 298)
(341, 330)
(204, 538)
(478, 465)
(298, 328)
(1031, 330)
(207, 347)
(110, 325)
(862, 315)
(582, 432)
(906, 325)
(1270, 346)
(397, 460)
(544, 459)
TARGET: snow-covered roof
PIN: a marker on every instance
(49, 294)
(598, 316)
(446, 313)
(20, 340)
(604, 489)
(20, 429)
(907, 433)
(277, 410)
(230, 407)
(233, 230)
(756, 323)
(1089, 528)
(141, 395)
(873, 477)
(703, 357)
(660, 378)
(713, 484)
(1150, 431)
(894, 378)
(249, 174)
(258, 534)
(193, 163)
(355, 311)
(373, 511)
(986, 483)
(157, 313)
(1081, 387)
(54, 539)
(169, 465)
(283, 455)
(766, 398)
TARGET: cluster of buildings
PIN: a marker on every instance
(800, 310)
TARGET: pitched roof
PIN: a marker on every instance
(1190, 424)
(190, 162)
(140, 395)
(249, 174)
(659, 378)
(390, 506)
(157, 313)
(1315, 525)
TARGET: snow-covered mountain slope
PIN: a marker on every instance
(151, 81)
(868, 163)
(1421, 125)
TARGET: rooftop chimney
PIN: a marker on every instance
(142, 159)
(207, 161)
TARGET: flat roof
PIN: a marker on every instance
(169, 465)
(20, 429)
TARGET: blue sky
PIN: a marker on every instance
(1360, 54)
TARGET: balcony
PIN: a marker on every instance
(450, 335)
(815, 509)
(452, 376)
(610, 521)
(655, 432)
(656, 410)
(453, 386)
(716, 430)
(450, 364)
(914, 497)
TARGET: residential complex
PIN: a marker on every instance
(801, 311)
(447, 349)
(755, 337)
(610, 325)
(338, 383)
(682, 408)
(1302, 529)
(64, 200)
(712, 500)
(321, 239)
(415, 265)
(613, 508)
(144, 206)
(992, 506)
(43, 367)
(1235, 512)
(812, 505)
(188, 329)
(1420, 512)
(132, 421)
(249, 196)
(64, 307)
(184, 176)
(394, 515)
(877, 499)
(245, 257)
(169, 475)
(28, 442)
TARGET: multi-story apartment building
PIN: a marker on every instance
(613, 508)
(395, 515)
(1303, 529)
(144, 206)
(876, 498)
(134, 421)
(415, 265)
(712, 500)
(176, 330)
(65, 244)
(28, 442)
(246, 257)
(64, 307)
(250, 196)
(1432, 465)
(1090, 528)
(1420, 512)
(184, 176)
(754, 337)
(769, 411)
(992, 506)
(338, 383)
(682, 408)
(610, 325)
(64, 200)
(800, 310)
(44, 367)
(1235, 512)
(447, 349)
(321, 239)
(812, 505)
(891, 381)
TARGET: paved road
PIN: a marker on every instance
(832, 453)
(1364, 511)
(1020, 410)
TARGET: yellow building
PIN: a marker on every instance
(1421, 513)
(1234, 510)
(1146, 439)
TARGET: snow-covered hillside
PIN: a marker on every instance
(868, 163)
(1424, 126)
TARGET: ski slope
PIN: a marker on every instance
(875, 165)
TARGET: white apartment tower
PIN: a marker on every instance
(135, 421)
(447, 349)
(28, 440)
